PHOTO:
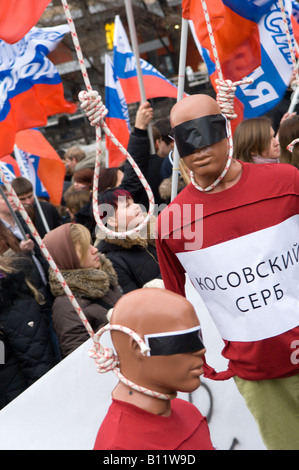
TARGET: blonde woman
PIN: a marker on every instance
(91, 278)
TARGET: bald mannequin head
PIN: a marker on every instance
(151, 312)
(193, 107)
(197, 123)
(154, 311)
(201, 134)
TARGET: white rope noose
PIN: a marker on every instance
(225, 99)
(226, 88)
(289, 39)
(92, 96)
(107, 361)
(97, 351)
(104, 357)
(291, 146)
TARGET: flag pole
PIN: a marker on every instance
(181, 87)
(133, 35)
(294, 100)
(13, 214)
(24, 171)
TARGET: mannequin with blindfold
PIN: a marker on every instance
(169, 329)
(248, 221)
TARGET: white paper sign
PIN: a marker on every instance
(250, 284)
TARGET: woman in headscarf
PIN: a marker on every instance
(91, 278)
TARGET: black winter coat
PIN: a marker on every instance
(38, 279)
(150, 166)
(51, 215)
(24, 336)
(135, 263)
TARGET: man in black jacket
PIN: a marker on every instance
(149, 164)
(24, 190)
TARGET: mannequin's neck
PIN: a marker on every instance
(148, 403)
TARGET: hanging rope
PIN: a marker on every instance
(226, 94)
(104, 357)
(289, 39)
(92, 102)
(107, 361)
(225, 99)
(226, 88)
(46, 253)
(291, 146)
(97, 351)
(91, 99)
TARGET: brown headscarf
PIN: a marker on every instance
(60, 246)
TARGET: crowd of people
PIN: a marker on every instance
(97, 269)
(38, 324)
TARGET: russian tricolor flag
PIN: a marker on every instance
(38, 161)
(117, 118)
(295, 20)
(18, 17)
(155, 84)
(45, 167)
(9, 167)
(30, 86)
(251, 42)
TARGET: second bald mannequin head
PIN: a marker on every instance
(161, 318)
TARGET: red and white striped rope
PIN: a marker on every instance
(107, 361)
(104, 357)
(46, 253)
(100, 124)
(289, 39)
(226, 95)
(95, 108)
(291, 146)
(223, 99)
(226, 88)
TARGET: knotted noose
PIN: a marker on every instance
(106, 360)
(98, 352)
(96, 111)
(92, 103)
(290, 147)
(225, 98)
(104, 357)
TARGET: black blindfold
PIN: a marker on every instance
(174, 342)
(199, 133)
